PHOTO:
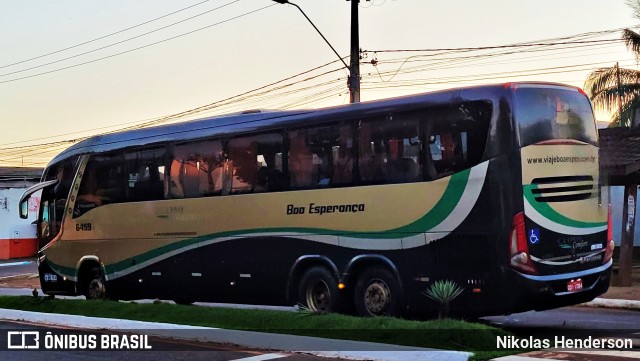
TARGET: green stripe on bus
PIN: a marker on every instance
(551, 214)
(447, 203)
(65, 271)
(442, 209)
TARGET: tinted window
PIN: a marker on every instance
(390, 149)
(197, 169)
(553, 113)
(54, 199)
(256, 163)
(457, 136)
(122, 177)
(321, 156)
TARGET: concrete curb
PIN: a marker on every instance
(353, 350)
(612, 303)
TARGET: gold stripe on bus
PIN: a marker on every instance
(130, 229)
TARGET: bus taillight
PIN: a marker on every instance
(608, 253)
(519, 248)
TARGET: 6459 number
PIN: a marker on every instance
(83, 227)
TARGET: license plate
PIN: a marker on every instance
(574, 285)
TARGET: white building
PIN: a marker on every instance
(17, 236)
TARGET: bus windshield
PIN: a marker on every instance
(544, 113)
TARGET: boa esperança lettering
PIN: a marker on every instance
(325, 209)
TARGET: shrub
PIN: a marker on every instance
(443, 292)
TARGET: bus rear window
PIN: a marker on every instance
(553, 113)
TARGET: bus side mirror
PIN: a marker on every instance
(24, 209)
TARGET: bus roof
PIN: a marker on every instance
(250, 121)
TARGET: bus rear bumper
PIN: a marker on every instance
(532, 292)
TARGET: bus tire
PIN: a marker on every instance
(96, 285)
(318, 290)
(378, 293)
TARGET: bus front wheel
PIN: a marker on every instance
(377, 293)
(96, 286)
(318, 290)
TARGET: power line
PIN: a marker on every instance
(157, 120)
(557, 40)
(538, 47)
(491, 76)
(104, 36)
(521, 45)
(138, 48)
(120, 42)
(290, 93)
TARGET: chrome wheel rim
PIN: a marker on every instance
(319, 297)
(96, 289)
(377, 297)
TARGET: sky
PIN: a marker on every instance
(74, 68)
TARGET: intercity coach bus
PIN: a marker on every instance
(358, 208)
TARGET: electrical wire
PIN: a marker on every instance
(138, 48)
(120, 42)
(315, 86)
(104, 36)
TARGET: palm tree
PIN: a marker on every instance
(602, 84)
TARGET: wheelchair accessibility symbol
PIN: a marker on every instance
(534, 236)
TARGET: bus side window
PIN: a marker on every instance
(255, 164)
(321, 156)
(87, 194)
(301, 167)
(145, 174)
(196, 169)
(443, 153)
(457, 136)
(390, 149)
(101, 183)
(175, 184)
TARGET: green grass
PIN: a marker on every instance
(443, 334)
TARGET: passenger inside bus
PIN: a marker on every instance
(88, 197)
(149, 185)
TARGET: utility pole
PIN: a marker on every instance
(354, 70)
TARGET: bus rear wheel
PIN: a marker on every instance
(318, 290)
(377, 293)
(96, 287)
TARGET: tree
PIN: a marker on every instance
(602, 84)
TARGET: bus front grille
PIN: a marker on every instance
(562, 189)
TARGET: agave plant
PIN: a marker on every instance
(443, 292)
(305, 311)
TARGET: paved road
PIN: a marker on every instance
(571, 318)
(574, 322)
(11, 268)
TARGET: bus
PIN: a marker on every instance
(358, 208)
